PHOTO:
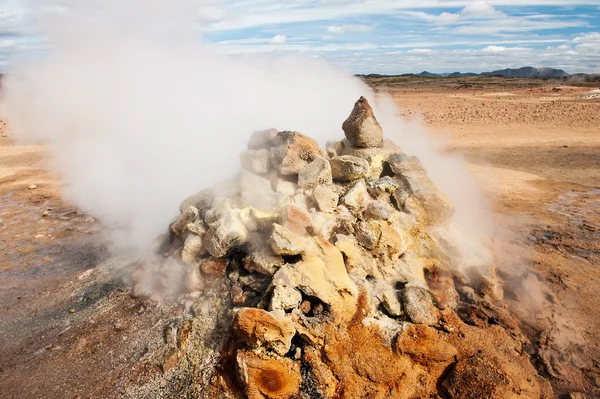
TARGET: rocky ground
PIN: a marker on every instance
(70, 328)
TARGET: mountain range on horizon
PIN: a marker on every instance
(524, 72)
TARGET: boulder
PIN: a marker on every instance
(361, 128)
(316, 173)
(226, 235)
(192, 249)
(261, 329)
(348, 168)
(292, 151)
(285, 298)
(357, 197)
(325, 198)
(190, 215)
(286, 242)
(419, 307)
(266, 377)
(263, 262)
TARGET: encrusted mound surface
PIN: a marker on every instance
(339, 275)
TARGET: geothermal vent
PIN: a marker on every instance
(333, 274)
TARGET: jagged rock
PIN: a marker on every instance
(368, 233)
(336, 148)
(391, 303)
(359, 262)
(348, 168)
(361, 128)
(425, 345)
(285, 298)
(317, 173)
(296, 219)
(357, 197)
(262, 262)
(321, 273)
(325, 198)
(201, 200)
(258, 220)
(256, 161)
(190, 215)
(261, 139)
(261, 329)
(286, 242)
(419, 307)
(266, 377)
(192, 249)
(292, 151)
(225, 235)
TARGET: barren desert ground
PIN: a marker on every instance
(70, 329)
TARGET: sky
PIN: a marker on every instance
(377, 36)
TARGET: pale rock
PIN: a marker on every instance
(379, 211)
(359, 262)
(361, 128)
(322, 273)
(336, 148)
(438, 209)
(261, 329)
(357, 197)
(192, 249)
(325, 198)
(262, 262)
(317, 173)
(375, 157)
(286, 242)
(296, 219)
(201, 201)
(285, 298)
(198, 227)
(419, 307)
(194, 282)
(292, 151)
(190, 215)
(256, 161)
(261, 139)
(402, 163)
(221, 206)
(258, 220)
(391, 303)
(226, 234)
(348, 168)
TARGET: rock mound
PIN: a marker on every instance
(337, 274)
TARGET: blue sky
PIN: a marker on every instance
(380, 36)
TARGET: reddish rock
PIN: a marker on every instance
(296, 219)
(259, 328)
(214, 267)
(268, 378)
(361, 128)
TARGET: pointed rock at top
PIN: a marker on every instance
(361, 128)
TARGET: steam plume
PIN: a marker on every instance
(138, 113)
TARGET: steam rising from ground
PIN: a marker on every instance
(139, 114)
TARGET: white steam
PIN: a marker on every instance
(138, 114)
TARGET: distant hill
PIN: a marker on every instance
(528, 72)
(426, 74)
(525, 72)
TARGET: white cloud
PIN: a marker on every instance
(479, 9)
(279, 39)
(494, 49)
(447, 18)
(420, 50)
(348, 28)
